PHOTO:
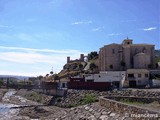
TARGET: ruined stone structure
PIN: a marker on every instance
(114, 57)
(81, 59)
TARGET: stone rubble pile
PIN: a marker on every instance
(90, 112)
(85, 112)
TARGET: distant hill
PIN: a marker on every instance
(18, 77)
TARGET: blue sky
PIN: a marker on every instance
(36, 35)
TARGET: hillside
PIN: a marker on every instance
(77, 68)
(72, 69)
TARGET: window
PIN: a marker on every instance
(128, 43)
(111, 66)
(113, 51)
(63, 85)
(139, 75)
(130, 75)
(146, 75)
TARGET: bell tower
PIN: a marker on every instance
(127, 41)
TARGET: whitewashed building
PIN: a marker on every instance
(138, 77)
(115, 77)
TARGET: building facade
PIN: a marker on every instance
(115, 57)
(138, 77)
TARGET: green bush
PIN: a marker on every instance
(89, 98)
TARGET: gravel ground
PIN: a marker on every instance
(86, 112)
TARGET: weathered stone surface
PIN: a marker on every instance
(103, 117)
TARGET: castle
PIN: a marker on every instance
(115, 57)
(81, 59)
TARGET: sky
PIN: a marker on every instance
(36, 36)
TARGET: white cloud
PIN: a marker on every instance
(32, 59)
(68, 51)
(114, 34)
(28, 58)
(98, 29)
(82, 22)
(150, 28)
(21, 73)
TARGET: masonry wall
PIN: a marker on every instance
(123, 108)
(112, 54)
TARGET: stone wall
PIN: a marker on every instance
(53, 92)
(135, 99)
(127, 110)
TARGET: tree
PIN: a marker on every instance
(1, 82)
(51, 72)
(40, 77)
(56, 77)
(80, 67)
(47, 75)
(92, 66)
(92, 55)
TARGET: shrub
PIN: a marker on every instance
(88, 98)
